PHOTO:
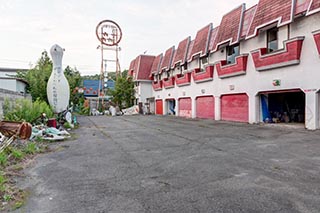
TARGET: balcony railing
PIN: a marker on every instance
(157, 85)
(168, 82)
(183, 79)
(289, 55)
(202, 76)
(228, 70)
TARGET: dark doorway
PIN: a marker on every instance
(283, 107)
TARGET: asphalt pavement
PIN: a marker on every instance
(169, 164)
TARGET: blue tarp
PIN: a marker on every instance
(265, 109)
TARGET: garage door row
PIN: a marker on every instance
(233, 107)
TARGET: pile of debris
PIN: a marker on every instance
(42, 129)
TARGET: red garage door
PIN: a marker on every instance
(205, 107)
(185, 107)
(235, 108)
(159, 107)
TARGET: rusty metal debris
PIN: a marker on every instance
(13, 130)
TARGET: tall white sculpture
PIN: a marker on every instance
(58, 91)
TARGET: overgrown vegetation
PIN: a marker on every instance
(123, 94)
(25, 110)
(12, 160)
(38, 77)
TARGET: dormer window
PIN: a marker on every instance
(168, 74)
(272, 39)
(232, 52)
(204, 60)
(184, 67)
(155, 78)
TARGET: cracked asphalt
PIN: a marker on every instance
(170, 164)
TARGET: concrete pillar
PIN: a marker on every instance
(193, 108)
(254, 108)
(312, 110)
(217, 108)
(177, 107)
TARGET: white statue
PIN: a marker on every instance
(58, 91)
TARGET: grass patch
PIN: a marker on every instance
(17, 154)
(12, 161)
(31, 148)
(3, 158)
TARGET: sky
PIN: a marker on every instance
(27, 28)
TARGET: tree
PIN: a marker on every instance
(74, 78)
(38, 77)
(123, 93)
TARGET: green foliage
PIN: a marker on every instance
(38, 77)
(3, 180)
(67, 125)
(74, 78)
(123, 94)
(31, 149)
(16, 153)
(3, 158)
(91, 77)
(7, 197)
(18, 205)
(25, 110)
(124, 73)
(85, 111)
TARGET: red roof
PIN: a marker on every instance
(180, 55)
(201, 42)
(230, 27)
(302, 6)
(167, 59)
(143, 67)
(269, 12)
(314, 7)
(156, 64)
(247, 19)
(131, 68)
(190, 48)
(213, 38)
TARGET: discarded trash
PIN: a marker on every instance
(131, 111)
(12, 130)
(50, 133)
(52, 122)
(113, 111)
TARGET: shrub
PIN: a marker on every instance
(25, 110)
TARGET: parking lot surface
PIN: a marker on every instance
(170, 164)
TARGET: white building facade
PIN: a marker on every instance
(254, 67)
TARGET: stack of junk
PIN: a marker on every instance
(42, 128)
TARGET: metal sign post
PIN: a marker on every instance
(109, 34)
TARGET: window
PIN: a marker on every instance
(272, 39)
(185, 66)
(155, 78)
(232, 52)
(168, 74)
(204, 60)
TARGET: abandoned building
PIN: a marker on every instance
(260, 65)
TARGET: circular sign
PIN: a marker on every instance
(108, 32)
